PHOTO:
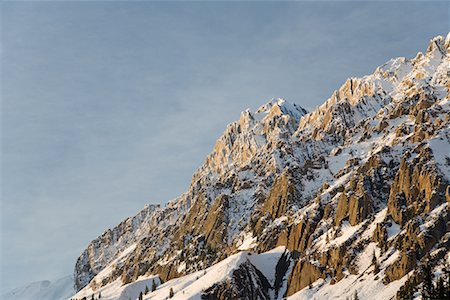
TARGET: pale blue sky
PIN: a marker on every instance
(109, 106)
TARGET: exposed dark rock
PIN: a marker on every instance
(247, 283)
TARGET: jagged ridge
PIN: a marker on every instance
(326, 184)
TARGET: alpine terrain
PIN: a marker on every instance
(350, 200)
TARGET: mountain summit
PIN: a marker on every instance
(348, 200)
(280, 106)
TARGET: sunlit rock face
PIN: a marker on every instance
(356, 190)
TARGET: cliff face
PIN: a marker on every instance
(364, 175)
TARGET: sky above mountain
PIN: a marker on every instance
(109, 106)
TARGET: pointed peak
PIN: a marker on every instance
(268, 106)
(282, 107)
(439, 43)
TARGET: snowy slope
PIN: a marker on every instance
(118, 291)
(190, 286)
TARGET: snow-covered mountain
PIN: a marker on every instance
(59, 289)
(348, 200)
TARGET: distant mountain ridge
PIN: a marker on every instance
(59, 289)
(352, 197)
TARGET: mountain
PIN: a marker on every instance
(348, 200)
(59, 289)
